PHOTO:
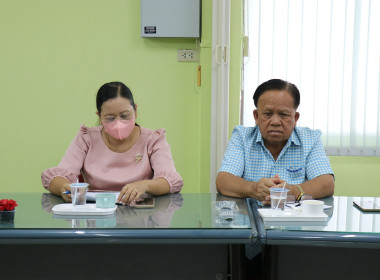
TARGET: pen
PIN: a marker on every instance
(66, 192)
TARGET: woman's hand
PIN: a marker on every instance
(66, 196)
(60, 185)
(134, 192)
(131, 193)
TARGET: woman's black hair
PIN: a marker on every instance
(277, 84)
(113, 90)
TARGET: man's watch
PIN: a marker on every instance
(301, 192)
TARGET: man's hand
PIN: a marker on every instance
(262, 188)
(231, 185)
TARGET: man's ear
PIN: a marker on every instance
(135, 111)
(255, 115)
(296, 117)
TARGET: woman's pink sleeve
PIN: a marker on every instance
(162, 162)
(72, 162)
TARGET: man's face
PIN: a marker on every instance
(276, 117)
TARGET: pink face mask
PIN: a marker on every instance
(120, 129)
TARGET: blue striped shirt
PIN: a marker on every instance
(302, 158)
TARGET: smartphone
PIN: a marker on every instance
(146, 203)
(367, 206)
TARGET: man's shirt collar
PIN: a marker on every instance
(292, 139)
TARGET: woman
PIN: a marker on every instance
(119, 155)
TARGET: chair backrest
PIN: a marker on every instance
(80, 178)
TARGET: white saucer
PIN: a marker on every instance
(88, 210)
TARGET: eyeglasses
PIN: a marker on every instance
(122, 117)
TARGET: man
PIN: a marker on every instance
(275, 150)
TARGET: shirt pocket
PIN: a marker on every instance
(295, 172)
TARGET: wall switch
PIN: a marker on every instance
(187, 55)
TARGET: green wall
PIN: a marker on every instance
(356, 176)
(54, 57)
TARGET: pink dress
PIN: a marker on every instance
(103, 169)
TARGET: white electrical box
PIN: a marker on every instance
(170, 18)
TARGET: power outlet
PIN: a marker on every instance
(187, 55)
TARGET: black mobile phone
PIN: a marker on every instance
(146, 203)
(367, 206)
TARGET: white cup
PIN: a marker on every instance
(312, 207)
